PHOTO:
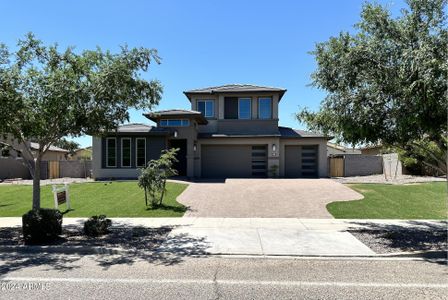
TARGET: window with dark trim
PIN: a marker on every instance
(244, 108)
(265, 108)
(175, 123)
(140, 152)
(125, 152)
(206, 107)
(111, 152)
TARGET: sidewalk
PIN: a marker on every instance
(263, 236)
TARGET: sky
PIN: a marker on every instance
(202, 43)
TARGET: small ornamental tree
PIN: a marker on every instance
(47, 94)
(153, 178)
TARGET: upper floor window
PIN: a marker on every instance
(111, 152)
(265, 108)
(175, 123)
(206, 107)
(244, 108)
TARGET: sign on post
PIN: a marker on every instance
(61, 195)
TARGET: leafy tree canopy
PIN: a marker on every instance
(387, 83)
(46, 93)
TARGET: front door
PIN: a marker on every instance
(181, 165)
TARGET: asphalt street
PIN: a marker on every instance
(87, 277)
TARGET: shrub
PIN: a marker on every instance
(41, 225)
(97, 225)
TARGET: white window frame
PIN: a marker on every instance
(250, 108)
(130, 152)
(259, 100)
(205, 106)
(107, 152)
(136, 152)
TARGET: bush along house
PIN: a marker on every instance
(230, 131)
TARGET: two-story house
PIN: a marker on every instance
(230, 131)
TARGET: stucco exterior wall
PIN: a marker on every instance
(254, 125)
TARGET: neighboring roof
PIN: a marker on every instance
(140, 128)
(177, 113)
(371, 147)
(343, 149)
(287, 132)
(235, 88)
(35, 146)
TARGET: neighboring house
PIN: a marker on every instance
(53, 153)
(335, 149)
(230, 131)
(82, 154)
(372, 150)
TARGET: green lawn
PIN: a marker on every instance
(384, 201)
(114, 199)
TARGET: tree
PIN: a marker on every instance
(71, 146)
(386, 83)
(47, 94)
(153, 178)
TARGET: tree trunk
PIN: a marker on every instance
(163, 192)
(36, 184)
(146, 196)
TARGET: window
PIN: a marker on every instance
(140, 150)
(206, 107)
(125, 152)
(111, 152)
(244, 108)
(175, 123)
(264, 108)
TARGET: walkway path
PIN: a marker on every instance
(263, 236)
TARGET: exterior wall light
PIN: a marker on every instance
(274, 147)
(195, 147)
(175, 133)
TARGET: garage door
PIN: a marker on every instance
(237, 161)
(301, 161)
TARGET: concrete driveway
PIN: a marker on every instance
(264, 198)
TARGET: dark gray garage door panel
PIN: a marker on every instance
(301, 161)
(292, 161)
(223, 161)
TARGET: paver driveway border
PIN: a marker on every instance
(264, 198)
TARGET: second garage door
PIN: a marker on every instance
(301, 161)
(237, 161)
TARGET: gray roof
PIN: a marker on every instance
(35, 146)
(154, 116)
(204, 135)
(236, 88)
(176, 112)
(139, 127)
(287, 132)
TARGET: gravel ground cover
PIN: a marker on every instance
(385, 241)
(404, 179)
(135, 238)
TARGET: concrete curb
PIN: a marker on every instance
(92, 250)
